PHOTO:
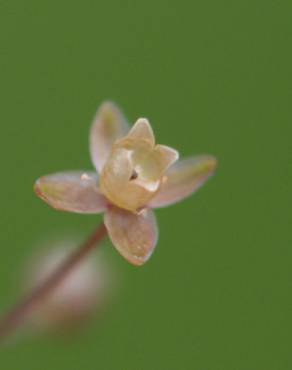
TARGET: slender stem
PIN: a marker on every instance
(17, 316)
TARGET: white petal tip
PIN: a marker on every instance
(142, 130)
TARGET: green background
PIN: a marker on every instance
(213, 77)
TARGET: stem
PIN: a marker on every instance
(17, 316)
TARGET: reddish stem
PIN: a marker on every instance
(17, 316)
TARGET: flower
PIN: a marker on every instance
(133, 176)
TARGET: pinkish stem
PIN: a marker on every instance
(17, 316)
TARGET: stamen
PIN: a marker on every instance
(134, 175)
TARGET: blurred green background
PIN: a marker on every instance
(213, 77)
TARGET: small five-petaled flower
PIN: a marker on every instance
(133, 176)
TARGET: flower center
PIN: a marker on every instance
(134, 175)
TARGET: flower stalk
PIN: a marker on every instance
(18, 315)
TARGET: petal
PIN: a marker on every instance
(183, 179)
(166, 156)
(108, 126)
(74, 191)
(142, 130)
(134, 235)
(115, 176)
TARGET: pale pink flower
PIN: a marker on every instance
(133, 176)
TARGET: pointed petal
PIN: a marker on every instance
(74, 191)
(142, 130)
(166, 156)
(134, 235)
(183, 179)
(108, 126)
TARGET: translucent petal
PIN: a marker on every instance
(134, 235)
(183, 179)
(166, 156)
(108, 126)
(116, 175)
(142, 130)
(74, 191)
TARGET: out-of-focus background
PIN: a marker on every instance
(213, 77)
